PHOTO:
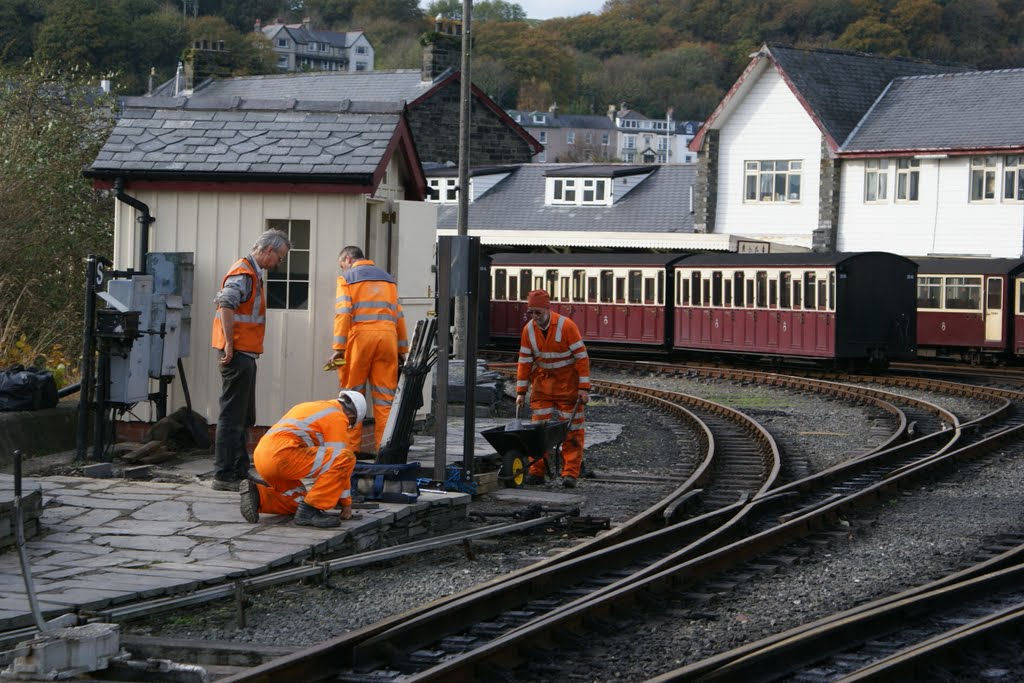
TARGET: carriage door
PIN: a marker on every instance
(993, 309)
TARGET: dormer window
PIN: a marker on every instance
(445, 190)
(539, 118)
(579, 191)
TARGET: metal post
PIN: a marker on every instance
(444, 259)
(472, 308)
(92, 273)
(465, 111)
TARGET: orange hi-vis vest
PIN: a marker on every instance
(367, 299)
(250, 316)
(555, 360)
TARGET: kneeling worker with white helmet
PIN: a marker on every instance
(309, 442)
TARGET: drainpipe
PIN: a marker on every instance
(144, 219)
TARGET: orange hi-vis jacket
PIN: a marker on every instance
(554, 361)
(309, 442)
(367, 299)
(251, 314)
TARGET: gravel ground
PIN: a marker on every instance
(902, 543)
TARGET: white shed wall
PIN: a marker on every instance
(219, 229)
(768, 124)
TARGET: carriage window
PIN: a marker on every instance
(661, 288)
(716, 288)
(684, 298)
(728, 292)
(762, 288)
(500, 285)
(929, 292)
(995, 293)
(809, 290)
(797, 291)
(785, 285)
(551, 283)
(963, 293)
(1020, 296)
(773, 294)
(564, 294)
(695, 287)
(635, 283)
(579, 285)
(607, 280)
(513, 288)
(738, 277)
(649, 290)
(538, 283)
(750, 293)
(832, 291)
(592, 289)
(525, 280)
(707, 292)
(620, 290)
(822, 295)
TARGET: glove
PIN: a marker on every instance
(332, 364)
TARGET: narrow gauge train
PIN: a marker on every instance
(847, 308)
(970, 309)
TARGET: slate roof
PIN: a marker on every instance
(304, 35)
(959, 111)
(400, 85)
(659, 204)
(841, 86)
(236, 139)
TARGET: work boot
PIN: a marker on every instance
(569, 482)
(250, 501)
(307, 515)
(224, 484)
(533, 480)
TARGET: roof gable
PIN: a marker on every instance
(835, 87)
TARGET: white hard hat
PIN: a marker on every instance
(358, 402)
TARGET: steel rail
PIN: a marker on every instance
(511, 648)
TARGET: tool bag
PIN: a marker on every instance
(27, 389)
(386, 483)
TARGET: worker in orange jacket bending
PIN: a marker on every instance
(309, 442)
(553, 360)
(369, 335)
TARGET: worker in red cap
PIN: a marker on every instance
(553, 361)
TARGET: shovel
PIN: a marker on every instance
(516, 424)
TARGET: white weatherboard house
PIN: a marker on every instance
(217, 172)
(851, 152)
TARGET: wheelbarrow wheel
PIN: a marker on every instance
(513, 469)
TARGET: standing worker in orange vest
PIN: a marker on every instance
(554, 361)
(309, 442)
(370, 339)
(238, 329)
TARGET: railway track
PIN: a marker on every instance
(717, 538)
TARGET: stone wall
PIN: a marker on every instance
(492, 140)
(706, 189)
(826, 235)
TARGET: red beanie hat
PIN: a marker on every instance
(538, 298)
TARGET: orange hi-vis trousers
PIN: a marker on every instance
(545, 410)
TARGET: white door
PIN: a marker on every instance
(994, 309)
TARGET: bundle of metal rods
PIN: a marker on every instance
(394, 444)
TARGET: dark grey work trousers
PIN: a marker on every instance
(237, 414)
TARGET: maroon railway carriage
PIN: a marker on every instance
(617, 299)
(856, 307)
(966, 308)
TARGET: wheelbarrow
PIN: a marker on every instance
(519, 445)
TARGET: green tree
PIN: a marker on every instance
(18, 19)
(224, 51)
(872, 36)
(74, 32)
(52, 124)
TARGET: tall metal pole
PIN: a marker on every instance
(462, 225)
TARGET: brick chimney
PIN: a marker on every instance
(306, 21)
(442, 49)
